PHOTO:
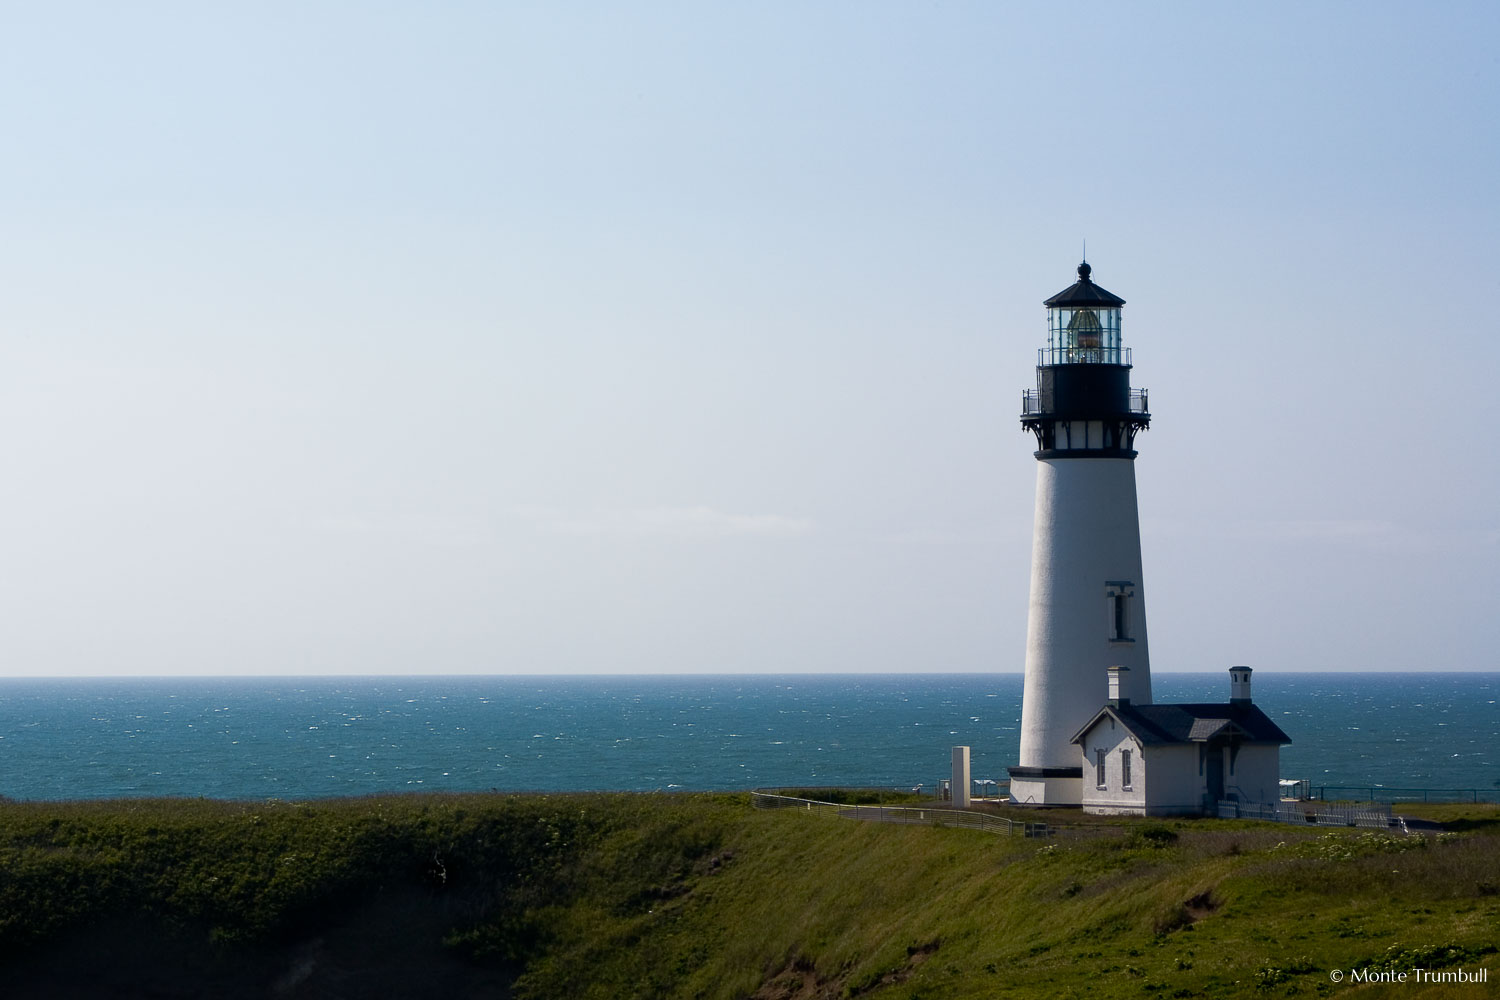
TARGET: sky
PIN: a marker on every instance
(360, 338)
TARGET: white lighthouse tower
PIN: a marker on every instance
(1088, 609)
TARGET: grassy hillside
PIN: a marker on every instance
(702, 896)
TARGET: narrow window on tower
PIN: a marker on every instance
(1125, 769)
(1099, 757)
(1118, 596)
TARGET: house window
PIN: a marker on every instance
(1125, 769)
(1118, 598)
(1099, 756)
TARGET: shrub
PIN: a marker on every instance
(1153, 835)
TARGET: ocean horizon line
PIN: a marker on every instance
(707, 675)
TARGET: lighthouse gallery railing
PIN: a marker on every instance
(1031, 402)
(1047, 356)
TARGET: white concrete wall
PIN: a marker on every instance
(1046, 791)
(1086, 533)
(1257, 774)
(1176, 786)
(960, 786)
(1114, 797)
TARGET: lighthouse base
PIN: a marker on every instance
(1046, 786)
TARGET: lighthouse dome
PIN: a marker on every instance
(1084, 293)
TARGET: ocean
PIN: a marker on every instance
(294, 738)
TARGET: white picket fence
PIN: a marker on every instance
(1374, 815)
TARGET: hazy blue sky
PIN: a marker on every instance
(534, 338)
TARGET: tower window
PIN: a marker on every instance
(1119, 597)
(1099, 758)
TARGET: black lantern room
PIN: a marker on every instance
(1083, 405)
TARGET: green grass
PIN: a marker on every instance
(1454, 815)
(702, 896)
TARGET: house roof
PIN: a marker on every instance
(1156, 725)
(1084, 293)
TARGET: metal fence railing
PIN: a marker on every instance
(1379, 793)
(1315, 812)
(1372, 815)
(917, 814)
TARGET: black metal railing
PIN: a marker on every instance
(1031, 402)
(1380, 793)
(1083, 356)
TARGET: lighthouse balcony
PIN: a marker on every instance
(1033, 403)
(1082, 353)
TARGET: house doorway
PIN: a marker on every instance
(1215, 769)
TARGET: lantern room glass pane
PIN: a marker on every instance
(1084, 336)
(1085, 330)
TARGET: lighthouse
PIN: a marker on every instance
(1087, 611)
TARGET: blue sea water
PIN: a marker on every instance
(301, 738)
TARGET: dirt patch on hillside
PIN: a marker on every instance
(1201, 905)
(799, 980)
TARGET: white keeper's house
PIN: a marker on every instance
(1179, 759)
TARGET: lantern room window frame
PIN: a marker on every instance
(1085, 335)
